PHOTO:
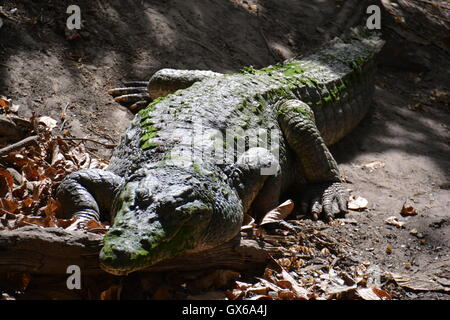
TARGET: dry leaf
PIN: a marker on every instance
(372, 166)
(393, 220)
(269, 284)
(382, 294)
(337, 291)
(95, 227)
(9, 205)
(305, 250)
(300, 292)
(50, 172)
(285, 284)
(234, 294)
(39, 221)
(5, 102)
(286, 294)
(285, 262)
(259, 289)
(64, 223)
(372, 294)
(31, 173)
(51, 208)
(418, 282)
(50, 123)
(357, 203)
(242, 285)
(6, 182)
(279, 213)
(27, 202)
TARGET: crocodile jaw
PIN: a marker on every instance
(134, 251)
(147, 232)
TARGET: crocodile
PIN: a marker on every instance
(175, 185)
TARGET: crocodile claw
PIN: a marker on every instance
(134, 95)
(325, 200)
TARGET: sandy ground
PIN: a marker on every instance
(407, 131)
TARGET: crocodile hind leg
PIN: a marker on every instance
(87, 194)
(326, 196)
(257, 179)
(136, 95)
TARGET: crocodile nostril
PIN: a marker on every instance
(116, 232)
(145, 243)
(120, 253)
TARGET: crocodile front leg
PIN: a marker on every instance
(87, 194)
(257, 179)
(327, 196)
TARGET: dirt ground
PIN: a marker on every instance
(407, 132)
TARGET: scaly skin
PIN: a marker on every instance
(170, 195)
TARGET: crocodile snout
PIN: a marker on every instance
(121, 260)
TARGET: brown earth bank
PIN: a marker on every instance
(399, 154)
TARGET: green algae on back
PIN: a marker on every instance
(149, 131)
(287, 69)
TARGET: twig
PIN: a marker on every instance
(107, 145)
(104, 135)
(23, 143)
(65, 118)
(267, 45)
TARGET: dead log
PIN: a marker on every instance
(49, 251)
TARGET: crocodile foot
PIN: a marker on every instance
(326, 200)
(133, 95)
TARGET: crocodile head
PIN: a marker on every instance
(155, 219)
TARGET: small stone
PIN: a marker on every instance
(389, 249)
